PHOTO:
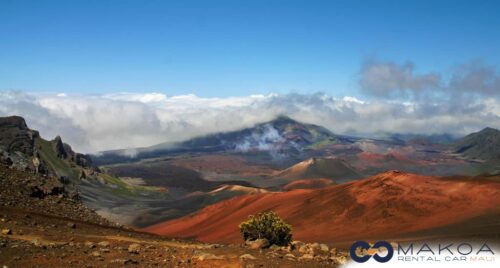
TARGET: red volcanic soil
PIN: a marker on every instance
(308, 184)
(388, 205)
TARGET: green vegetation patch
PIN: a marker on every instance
(321, 144)
(59, 166)
(125, 189)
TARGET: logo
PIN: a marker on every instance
(365, 247)
(422, 252)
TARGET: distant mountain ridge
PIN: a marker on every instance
(279, 137)
(287, 139)
(423, 139)
(283, 133)
(484, 145)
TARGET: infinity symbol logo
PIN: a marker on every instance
(365, 246)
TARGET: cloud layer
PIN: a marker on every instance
(124, 120)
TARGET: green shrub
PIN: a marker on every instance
(267, 225)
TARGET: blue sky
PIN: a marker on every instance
(233, 48)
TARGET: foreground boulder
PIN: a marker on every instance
(257, 243)
(201, 256)
(247, 257)
(134, 248)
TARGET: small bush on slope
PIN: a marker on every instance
(267, 225)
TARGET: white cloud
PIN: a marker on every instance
(125, 120)
(475, 76)
(352, 99)
(144, 98)
(389, 79)
(386, 79)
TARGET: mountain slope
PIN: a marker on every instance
(162, 210)
(56, 231)
(484, 145)
(24, 149)
(387, 205)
